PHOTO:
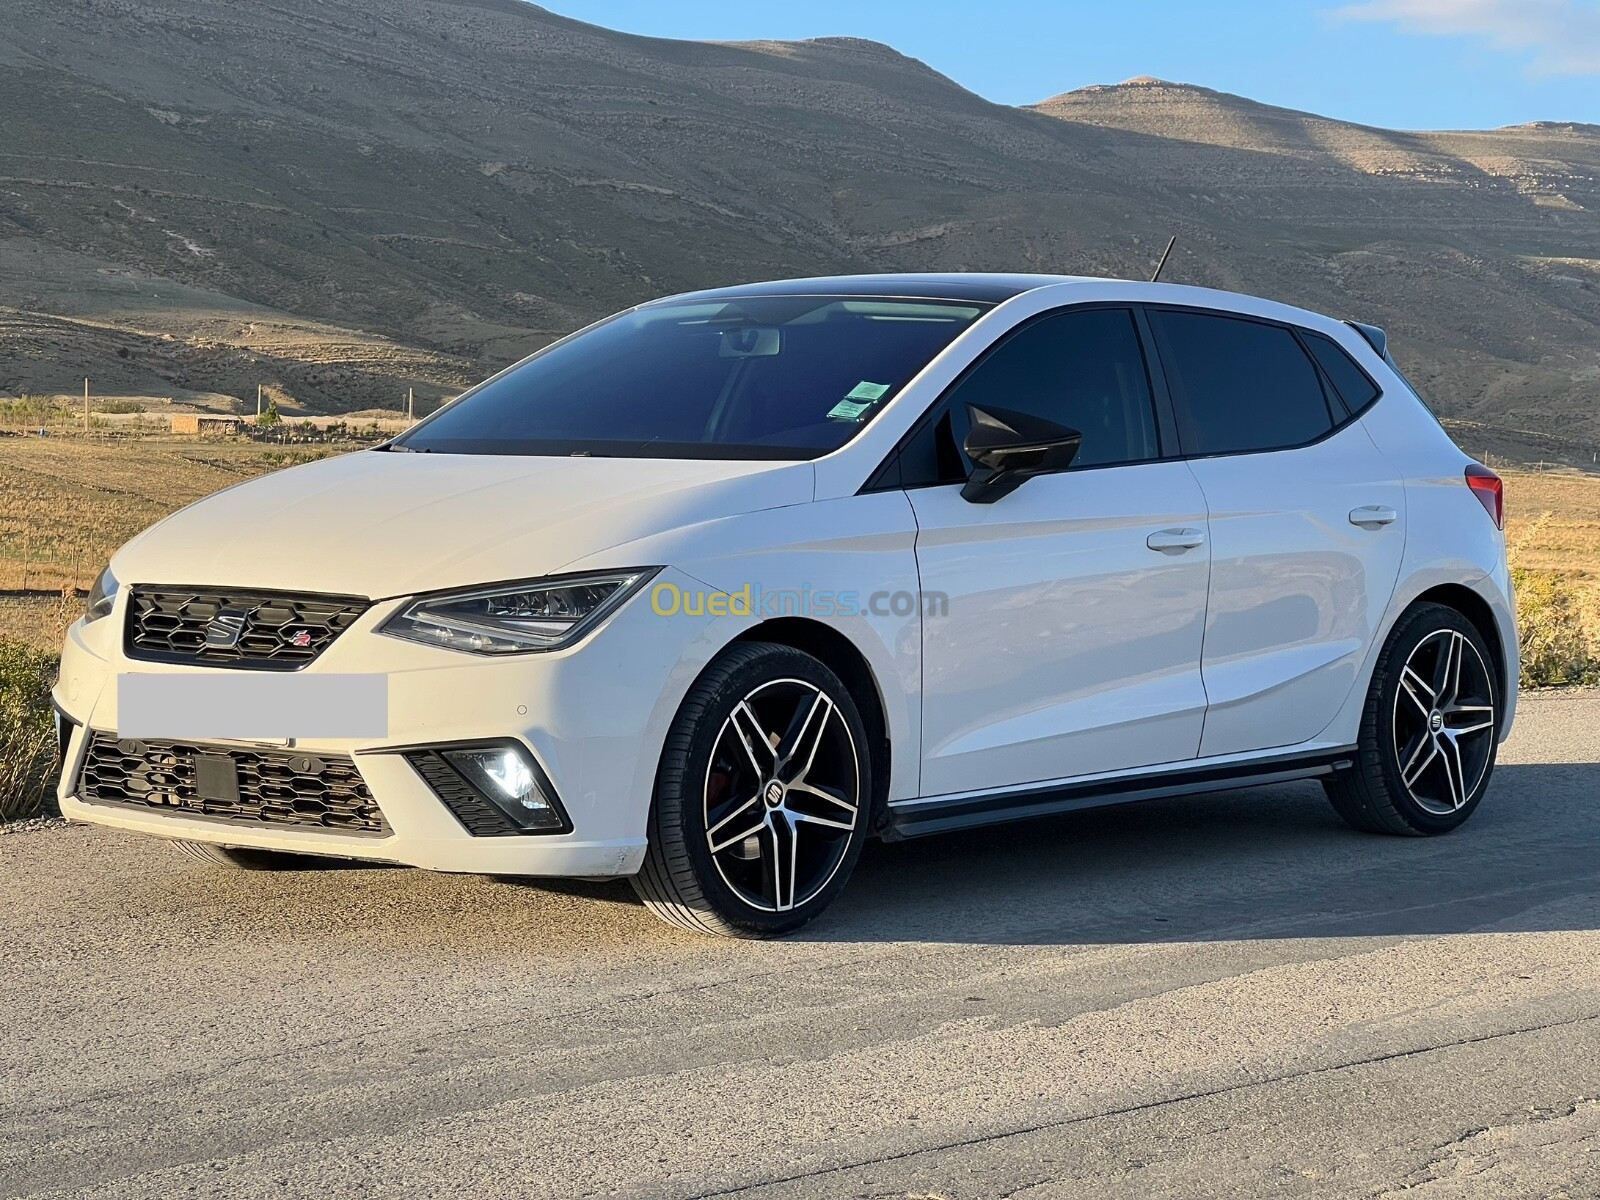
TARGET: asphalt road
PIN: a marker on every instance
(1228, 995)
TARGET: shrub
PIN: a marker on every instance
(27, 729)
(31, 411)
(1555, 633)
(269, 415)
(1557, 644)
(293, 458)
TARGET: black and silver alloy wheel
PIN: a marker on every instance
(763, 797)
(1429, 730)
(1444, 724)
(782, 795)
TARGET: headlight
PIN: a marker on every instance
(544, 614)
(101, 597)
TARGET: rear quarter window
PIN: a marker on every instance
(1353, 385)
(1240, 385)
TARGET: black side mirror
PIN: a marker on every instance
(1008, 447)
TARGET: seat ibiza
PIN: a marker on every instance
(710, 592)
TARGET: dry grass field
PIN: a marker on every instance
(1553, 522)
(38, 621)
(67, 503)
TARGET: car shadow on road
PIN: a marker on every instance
(1255, 863)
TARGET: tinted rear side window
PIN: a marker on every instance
(1350, 381)
(1241, 385)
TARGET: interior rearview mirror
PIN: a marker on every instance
(1007, 448)
(751, 341)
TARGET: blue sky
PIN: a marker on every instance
(1405, 64)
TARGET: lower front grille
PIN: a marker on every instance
(244, 785)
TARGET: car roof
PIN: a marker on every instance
(995, 287)
(988, 287)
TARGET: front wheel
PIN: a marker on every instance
(762, 799)
(1428, 732)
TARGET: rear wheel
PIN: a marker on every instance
(238, 857)
(1428, 732)
(761, 802)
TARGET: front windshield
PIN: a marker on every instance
(766, 377)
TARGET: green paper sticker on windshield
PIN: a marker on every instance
(866, 390)
(857, 401)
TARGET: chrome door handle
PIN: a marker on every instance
(1373, 516)
(1175, 541)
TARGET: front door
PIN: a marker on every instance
(1063, 622)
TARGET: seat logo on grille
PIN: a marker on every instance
(225, 629)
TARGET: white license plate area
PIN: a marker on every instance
(252, 708)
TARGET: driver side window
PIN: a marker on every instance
(1082, 369)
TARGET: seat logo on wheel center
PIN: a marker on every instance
(774, 794)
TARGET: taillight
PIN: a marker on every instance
(1491, 493)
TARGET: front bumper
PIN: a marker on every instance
(594, 718)
(423, 832)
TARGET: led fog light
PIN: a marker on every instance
(507, 778)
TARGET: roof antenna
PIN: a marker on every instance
(1171, 242)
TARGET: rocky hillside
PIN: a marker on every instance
(363, 195)
(1479, 250)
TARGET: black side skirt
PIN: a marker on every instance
(916, 818)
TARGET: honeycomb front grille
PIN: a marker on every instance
(273, 631)
(262, 787)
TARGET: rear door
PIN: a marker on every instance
(1307, 522)
(1062, 627)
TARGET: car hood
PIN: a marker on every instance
(382, 524)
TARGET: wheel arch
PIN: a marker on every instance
(1480, 602)
(1475, 609)
(841, 656)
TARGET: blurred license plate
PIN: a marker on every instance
(216, 777)
(241, 708)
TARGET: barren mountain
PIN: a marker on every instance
(354, 196)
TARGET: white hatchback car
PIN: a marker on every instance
(710, 592)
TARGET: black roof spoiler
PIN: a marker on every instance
(1375, 337)
(1379, 341)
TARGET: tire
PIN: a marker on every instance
(237, 857)
(1429, 730)
(729, 814)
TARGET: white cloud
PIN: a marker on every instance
(1563, 36)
